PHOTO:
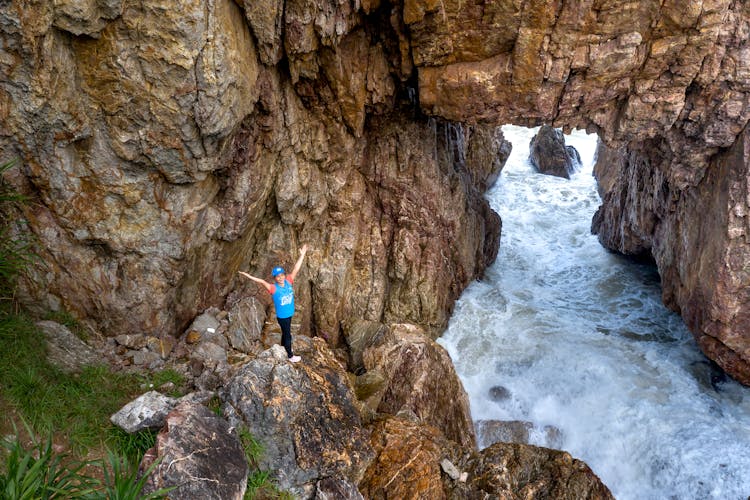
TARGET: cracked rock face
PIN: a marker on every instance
(198, 455)
(303, 414)
(166, 144)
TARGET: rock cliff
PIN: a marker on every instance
(167, 144)
(665, 85)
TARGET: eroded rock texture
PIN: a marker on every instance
(666, 86)
(410, 462)
(168, 144)
(304, 415)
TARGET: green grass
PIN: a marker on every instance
(260, 483)
(37, 472)
(132, 446)
(252, 447)
(122, 481)
(52, 401)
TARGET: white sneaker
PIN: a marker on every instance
(295, 359)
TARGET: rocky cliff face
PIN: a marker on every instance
(666, 85)
(168, 144)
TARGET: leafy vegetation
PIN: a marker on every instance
(122, 481)
(38, 473)
(79, 405)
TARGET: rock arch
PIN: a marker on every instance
(168, 143)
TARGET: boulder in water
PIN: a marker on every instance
(515, 431)
(549, 154)
(416, 461)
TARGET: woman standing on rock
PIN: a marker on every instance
(283, 299)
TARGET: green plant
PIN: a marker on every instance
(252, 447)
(214, 404)
(132, 446)
(38, 473)
(123, 482)
(50, 400)
(260, 483)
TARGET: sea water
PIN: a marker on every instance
(579, 338)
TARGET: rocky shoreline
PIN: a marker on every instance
(400, 429)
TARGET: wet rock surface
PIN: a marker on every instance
(549, 154)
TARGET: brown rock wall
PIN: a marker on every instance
(169, 147)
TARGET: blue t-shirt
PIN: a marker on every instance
(283, 299)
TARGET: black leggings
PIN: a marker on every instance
(286, 334)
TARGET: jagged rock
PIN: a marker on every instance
(148, 411)
(549, 154)
(336, 489)
(205, 323)
(132, 341)
(209, 352)
(199, 454)
(245, 325)
(407, 460)
(514, 431)
(370, 387)
(450, 469)
(521, 471)
(65, 350)
(144, 357)
(692, 221)
(421, 378)
(302, 413)
(409, 457)
(360, 334)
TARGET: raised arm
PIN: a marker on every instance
(298, 265)
(263, 282)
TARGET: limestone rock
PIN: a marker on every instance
(65, 350)
(549, 154)
(421, 378)
(303, 414)
(199, 454)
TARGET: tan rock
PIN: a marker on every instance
(420, 378)
(408, 461)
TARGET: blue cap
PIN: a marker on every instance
(277, 270)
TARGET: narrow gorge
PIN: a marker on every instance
(165, 145)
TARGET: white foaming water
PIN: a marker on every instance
(581, 340)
